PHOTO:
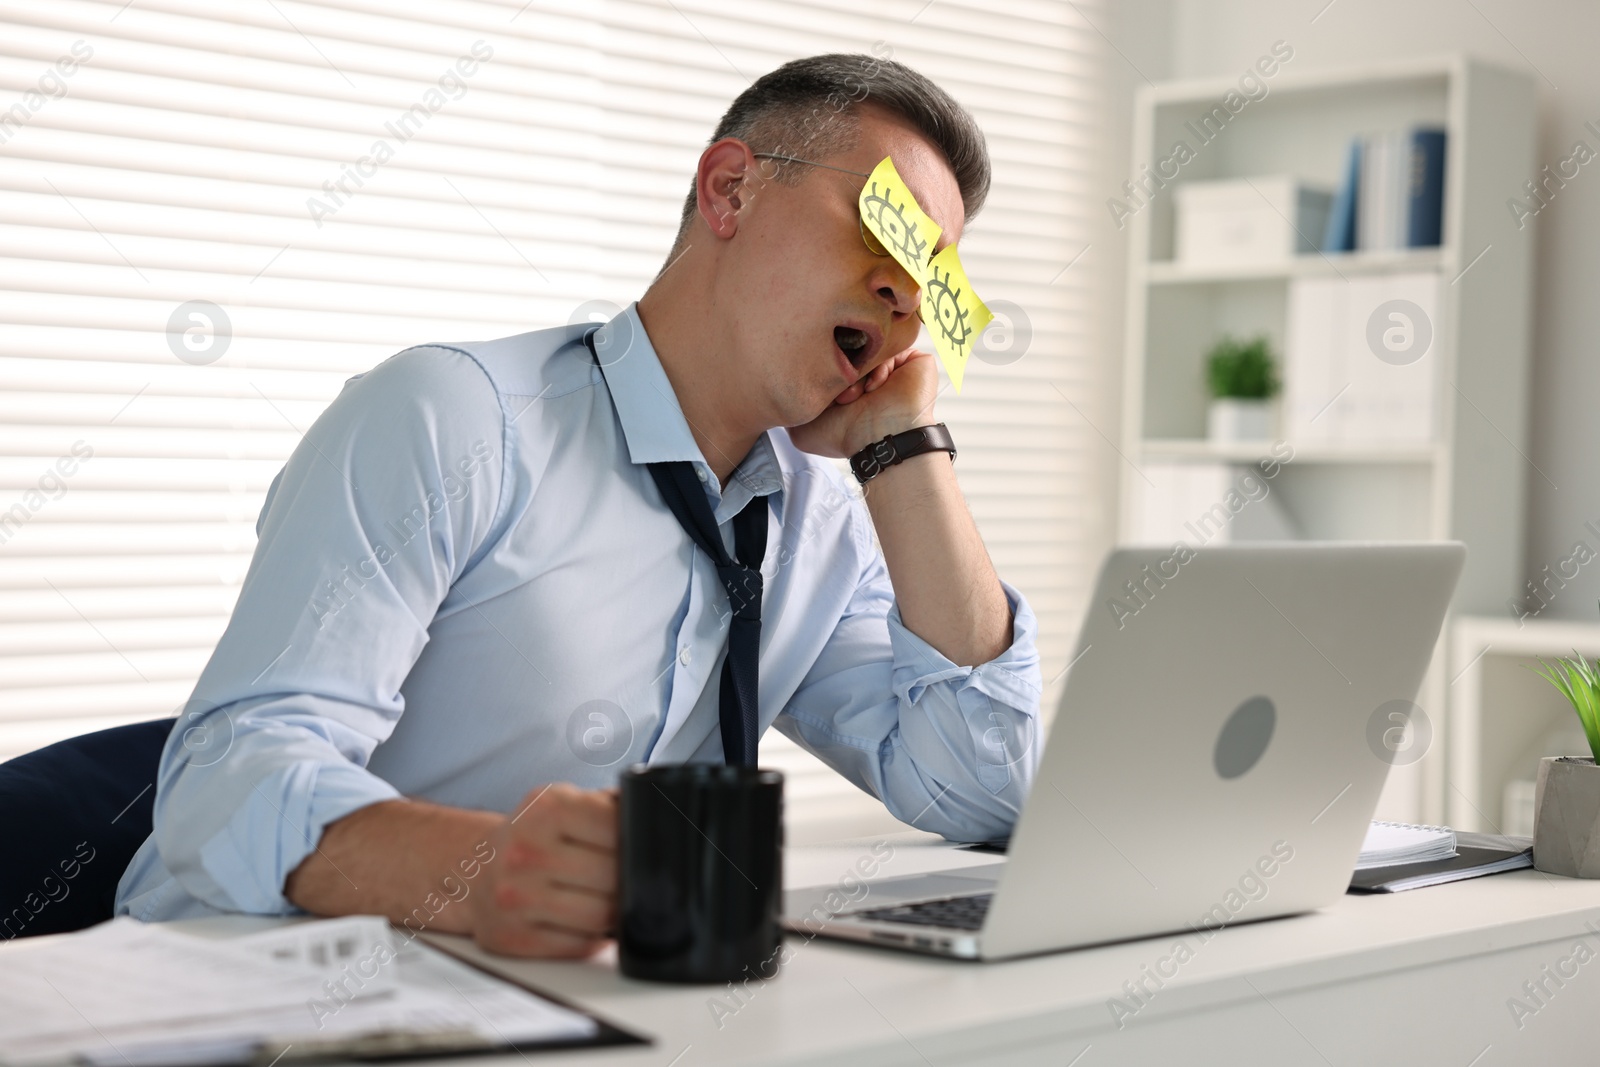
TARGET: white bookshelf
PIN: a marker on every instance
(1169, 272)
(1504, 717)
(1199, 449)
(1466, 483)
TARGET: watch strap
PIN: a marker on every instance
(872, 460)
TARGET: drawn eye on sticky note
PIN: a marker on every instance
(952, 313)
(894, 218)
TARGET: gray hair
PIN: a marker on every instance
(806, 109)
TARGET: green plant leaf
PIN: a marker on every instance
(1243, 370)
(1579, 681)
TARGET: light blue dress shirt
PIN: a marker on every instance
(467, 585)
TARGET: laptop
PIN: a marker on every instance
(1216, 758)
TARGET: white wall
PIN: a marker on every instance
(1140, 50)
(1554, 41)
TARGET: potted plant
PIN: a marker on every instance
(1566, 799)
(1242, 378)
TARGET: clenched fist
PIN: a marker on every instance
(552, 889)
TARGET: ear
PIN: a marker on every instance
(720, 188)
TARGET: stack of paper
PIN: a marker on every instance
(1389, 844)
(129, 994)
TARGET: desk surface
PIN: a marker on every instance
(1428, 976)
(836, 1001)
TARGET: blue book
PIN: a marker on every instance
(1425, 188)
(1340, 235)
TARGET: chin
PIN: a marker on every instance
(810, 406)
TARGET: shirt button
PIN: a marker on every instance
(683, 657)
(701, 473)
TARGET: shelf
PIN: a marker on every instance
(1343, 485)
(1428, 70)
(1170, 272)
(1249, 451)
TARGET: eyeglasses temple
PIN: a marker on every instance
(808, 162)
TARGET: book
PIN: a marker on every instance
(1396, 182)
(1384, 187)
(1390, 844)
(1476, 855)
(1340, 234)
(1373, 196)
(1425, 189)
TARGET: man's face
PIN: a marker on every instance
(814, 308)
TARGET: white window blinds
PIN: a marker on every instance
(212, 214)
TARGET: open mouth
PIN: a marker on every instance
(855, 344)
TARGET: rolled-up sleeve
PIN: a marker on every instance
(377, 513)
(947, 748)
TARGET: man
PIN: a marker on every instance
(472, 535)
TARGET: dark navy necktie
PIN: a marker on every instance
(741, 577)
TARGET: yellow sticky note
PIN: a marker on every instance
(894, 217)
(952, 313)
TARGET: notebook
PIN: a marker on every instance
(1476, 855)
(1389, 844)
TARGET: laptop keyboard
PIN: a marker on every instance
(954, 913)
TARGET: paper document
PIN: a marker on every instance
(1390, 843)
(129, 994)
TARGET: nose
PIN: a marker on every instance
(896, 288)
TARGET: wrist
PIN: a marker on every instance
(882, 427)
(893, 449)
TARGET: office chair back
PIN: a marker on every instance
(72, 815)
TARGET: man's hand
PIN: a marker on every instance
(552, 890)
(541, 881)
(944, 585)
(897, 395)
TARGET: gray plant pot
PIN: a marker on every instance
(1566, 817)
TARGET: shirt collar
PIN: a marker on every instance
(654, 425)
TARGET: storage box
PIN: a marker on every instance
(1246, 221)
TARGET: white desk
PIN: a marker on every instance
(1416, 978)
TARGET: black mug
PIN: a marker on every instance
(699, 872)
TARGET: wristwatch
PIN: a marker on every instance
(896, 447)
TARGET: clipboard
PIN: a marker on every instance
(352, 988)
